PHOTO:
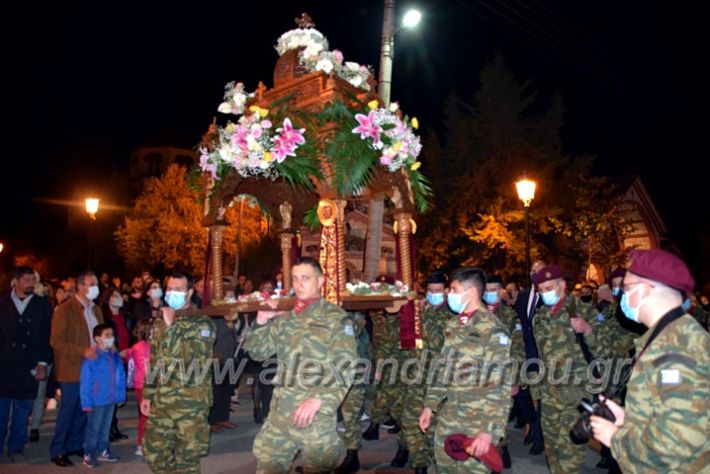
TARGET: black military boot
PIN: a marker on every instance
(372, 432)
(505, 455)
(419, 470)
(401, 458)
(351, 463)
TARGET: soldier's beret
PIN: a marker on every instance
(455, 446)
(549, 272)
(663, 267)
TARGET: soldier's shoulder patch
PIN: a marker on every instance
(674, 359)
(670, 377)
(518, 327)
(349, 330)
(503, 340)
(205, 333)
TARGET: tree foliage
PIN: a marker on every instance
(505, 130)
(164, 228)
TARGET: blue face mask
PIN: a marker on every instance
(550, 298)
(456, 302)
(491, 297)
(629, 312)
(435, 299)
(686, 305)
(176, 299)
(615, 291)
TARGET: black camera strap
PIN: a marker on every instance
(667, 319)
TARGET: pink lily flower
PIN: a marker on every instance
(368, 128)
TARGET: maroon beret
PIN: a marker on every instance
(663, 267)
(455, 446)
(619, 272)
(549, 272)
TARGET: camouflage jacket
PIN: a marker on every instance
(181, 362)
(385, 334)
(469, 375)
(619, 339)
(558, 347)
(517, 346)
(434, 320)
(316, 352)
(667, 422)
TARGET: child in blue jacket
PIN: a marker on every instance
(102, 385)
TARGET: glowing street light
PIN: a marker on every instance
(92, 207)
(526, 193)
(411, 18)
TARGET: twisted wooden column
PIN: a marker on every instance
(404, 230)
(286, 243)
(217, 239)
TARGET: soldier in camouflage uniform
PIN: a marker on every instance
(665, 424)
(562, 329)
(389, 359)
(315, 343)
(693, 308)
(352, 405)
(178, 390)
(435, 315)
(469, 377)
(506, 315)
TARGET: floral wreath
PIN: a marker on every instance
(315, 56)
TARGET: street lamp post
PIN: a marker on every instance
(92, 208)
(376, 204)
(526, 193)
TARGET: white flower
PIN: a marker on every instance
(225, 108)
(394, 107)
(324, 65)
(356, 81)
(352, 66)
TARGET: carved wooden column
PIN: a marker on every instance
(217, 239)
(404, 230)
(340, 222)
(286, 242)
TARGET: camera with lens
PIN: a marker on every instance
(582, 429)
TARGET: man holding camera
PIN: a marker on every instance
(665, 424)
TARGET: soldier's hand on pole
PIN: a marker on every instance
(262, 317)
(618, 412)
(168, 315)
(580, 326)
(480, 445)
(145, 407)
(306, 412)
(41, 373)
(425, 419)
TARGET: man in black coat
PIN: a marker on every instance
(525, 306)
(24, 355)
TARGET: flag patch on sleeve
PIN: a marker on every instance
(670, 376)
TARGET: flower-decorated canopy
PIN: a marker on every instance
(320, 129)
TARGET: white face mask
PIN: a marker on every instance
(93, 292)
(108, 342)
(117, 302)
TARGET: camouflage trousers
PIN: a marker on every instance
(278, 442)
(563, 456)
(175, 439)
(420, 445)
(449, 422)
(350, 409)
(390, 395)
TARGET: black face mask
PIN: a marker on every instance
(586, 298)
(28, 291)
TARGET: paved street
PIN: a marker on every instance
(230, 451)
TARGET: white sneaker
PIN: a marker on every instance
(341, 428)
(365, 416)
(139, 450)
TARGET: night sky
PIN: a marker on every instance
(85, 84)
